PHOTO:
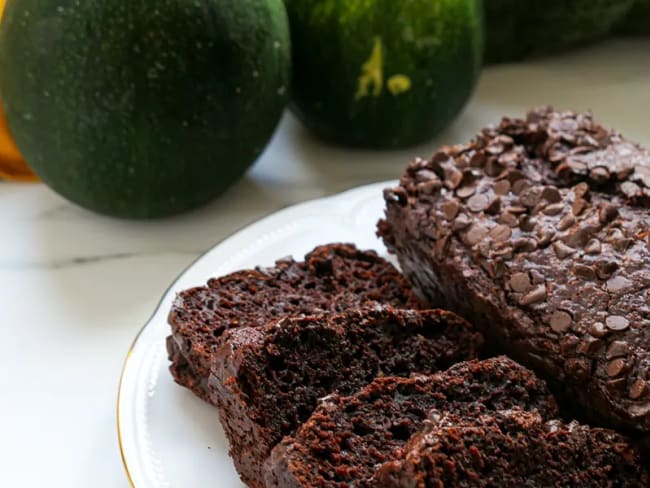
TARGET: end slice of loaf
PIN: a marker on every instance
(348, 437)
(510, 449)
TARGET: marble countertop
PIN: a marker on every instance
(76, 287)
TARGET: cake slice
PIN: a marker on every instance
(267, 380)
(348, 437)
(538, 230)
(334, 277)
(510, 449)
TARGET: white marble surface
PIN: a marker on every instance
(75, 287)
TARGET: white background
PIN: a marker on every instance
(75, 287)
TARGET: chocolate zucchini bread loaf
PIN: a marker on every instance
(347, 438)
(539, 232)
(511, 448)
(270, 378)
(334, 277)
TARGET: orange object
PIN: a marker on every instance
(12, 164)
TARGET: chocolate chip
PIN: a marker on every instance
(593, 247)
(537, 277)
(466, 191)
(440, 157)
(616, 349)
(425, 175)
(520, 282)
(562, 251)
(453, 177)
(578, 206)
(530, 197)
(478, 203)
(451, 209)
(618, 283)
(524, 244)
(598, 329)
(551, 194)
(509, 219)
(567, 221)
(553, 209)
(514, 175)
(580, 236)
(476, 233)
(589, 345)
(585, 272)
(502, 187)
(581, 190)
(527, 223)
(605, 269)
(607, 213)
(599, 174)
(629, 189)
(461, 222)
(538, 294)
(501, 233)
(493, 167)
(617, 322)
(520, 186)
(638, 389)
(516, 209)
(545, 237)
(615, 367)
(477, 160)
(561, 321)
(494, 207)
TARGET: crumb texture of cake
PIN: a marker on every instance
(511, 448)
(538, 231)
(348, 437)
(269, 378)
(334, 277)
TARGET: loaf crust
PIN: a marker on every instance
(538, 231)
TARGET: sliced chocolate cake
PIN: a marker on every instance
(269, 379)
(335, 277)
(511, 448)
(348, 437)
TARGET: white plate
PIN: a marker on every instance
(168, 437)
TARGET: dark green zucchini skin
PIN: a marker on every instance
(436, 44)
(520, 29)
(637, 22)
(143, 109)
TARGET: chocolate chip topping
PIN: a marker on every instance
(520, 282)
(501, 233)
(556, 214)
(502, 187)
(538, 294)
(478, 203)
(616, 367)
(638, 389)
(451, 209)
(561, 321)
(616, 322)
